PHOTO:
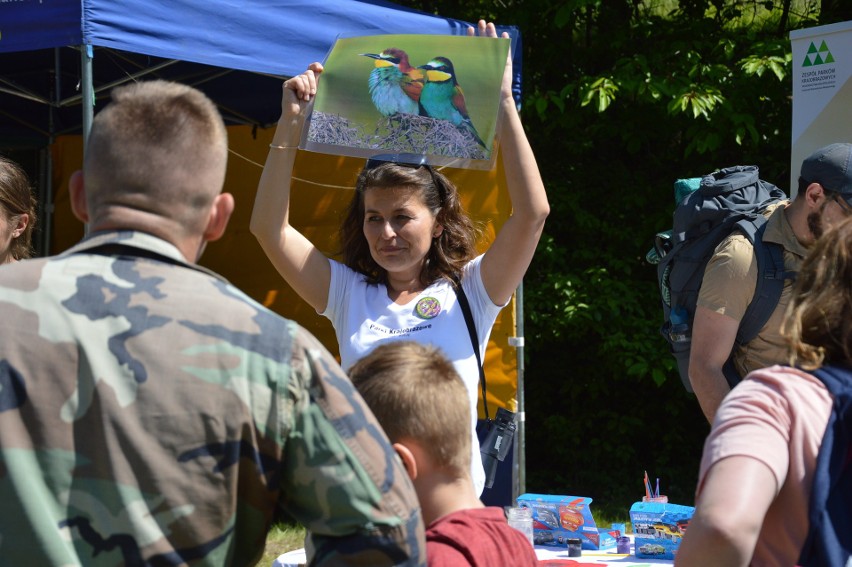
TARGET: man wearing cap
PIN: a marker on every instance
(824, 197)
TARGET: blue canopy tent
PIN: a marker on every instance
(231, 50)
(59, 59)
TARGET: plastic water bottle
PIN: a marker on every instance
(521, 520)
(679, 332)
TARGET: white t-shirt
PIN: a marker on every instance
(363, 316)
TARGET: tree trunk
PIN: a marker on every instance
(785, 17)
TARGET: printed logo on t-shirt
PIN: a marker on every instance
(427, 308)
(382, 330)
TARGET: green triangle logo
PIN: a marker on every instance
(819, 56)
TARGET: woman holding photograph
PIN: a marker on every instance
(406, 242)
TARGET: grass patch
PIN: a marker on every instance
(605, 521)
(281, 539)
(287, 537)
(605, 517)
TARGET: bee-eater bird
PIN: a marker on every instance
(395, 85)
(442, 97)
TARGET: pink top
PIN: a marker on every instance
(778, 416)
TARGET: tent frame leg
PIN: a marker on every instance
(519, 477)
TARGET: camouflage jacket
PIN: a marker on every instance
(153, 414)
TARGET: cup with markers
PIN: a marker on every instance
(652, 494)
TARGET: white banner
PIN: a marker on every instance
(822, 91)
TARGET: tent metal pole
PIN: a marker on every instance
(520, 482)
(45, 201)
(87, 92)
(46, 196)
(87, 101)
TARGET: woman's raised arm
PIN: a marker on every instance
(295, 257)
(509, 256)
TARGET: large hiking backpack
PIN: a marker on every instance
(829, 540)
(708, 209)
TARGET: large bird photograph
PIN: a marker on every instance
(425, 94)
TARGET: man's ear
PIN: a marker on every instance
(408, 460)
(220, 214)
(77, 192)
(814, 195)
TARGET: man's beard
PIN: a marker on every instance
(815, 220)
(815, 223)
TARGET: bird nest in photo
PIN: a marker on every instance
(400, 133)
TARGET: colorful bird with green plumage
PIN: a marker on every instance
(395, 86)
(442, 96)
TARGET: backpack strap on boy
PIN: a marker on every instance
(829, 539)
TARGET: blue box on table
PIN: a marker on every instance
(658, 528)
(556, 519)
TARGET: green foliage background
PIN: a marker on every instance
(620, 98)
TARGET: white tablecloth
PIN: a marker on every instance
(297, 558)
(604, 557)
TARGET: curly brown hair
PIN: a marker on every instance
(449, 252)
(16, 198)
(818, 324)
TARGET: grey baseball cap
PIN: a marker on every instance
(831, 167)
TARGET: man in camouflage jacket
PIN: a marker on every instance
(150, 412)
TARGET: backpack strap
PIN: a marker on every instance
(771, 275)
(830, 509)
(471, 329)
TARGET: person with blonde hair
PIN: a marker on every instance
(153, 414)
(762, 499)
(419, 400)
(17, 213)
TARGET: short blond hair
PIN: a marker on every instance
(818, 323)
(416, 393)
(160, 147)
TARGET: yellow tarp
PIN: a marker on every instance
(322, 189)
